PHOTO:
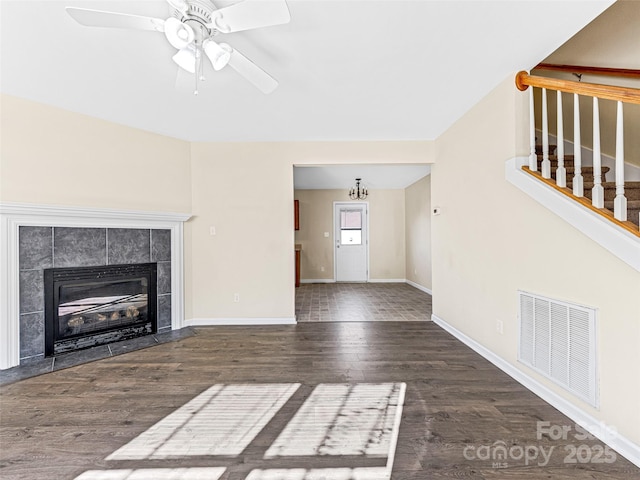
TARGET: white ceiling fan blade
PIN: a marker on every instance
(250, 14)
(180, 5)
(99, 18)
(249, 70)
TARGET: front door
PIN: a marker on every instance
(351, 242)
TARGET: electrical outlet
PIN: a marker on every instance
(322, 269)
(499, 327)
(326, 234)
(236, 297)
(212, 231)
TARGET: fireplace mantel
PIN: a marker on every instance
(15, 215)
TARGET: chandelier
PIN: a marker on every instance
(357, 193)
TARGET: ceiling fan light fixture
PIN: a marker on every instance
(219, 54)
(186, 59)
(178, 34)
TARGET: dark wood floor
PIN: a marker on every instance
(457, 406)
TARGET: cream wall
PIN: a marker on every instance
(491, 240)
(246, 191)
(418, 232)
(52, 156)
(611, 40)
(316, 218)
(249, 200)
(386, 233)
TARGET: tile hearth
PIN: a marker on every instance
(32, 367)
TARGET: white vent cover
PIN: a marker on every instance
(557, 339)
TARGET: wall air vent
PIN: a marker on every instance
(558, 340)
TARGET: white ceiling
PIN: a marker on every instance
(344, 176)
(348, 69)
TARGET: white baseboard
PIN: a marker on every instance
(621, 444)
(420, 287)
(387, 280)
(372, 280)
(205, 322)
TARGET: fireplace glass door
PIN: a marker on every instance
(101, 305)
(90, 306)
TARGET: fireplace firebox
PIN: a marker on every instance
(90, 306)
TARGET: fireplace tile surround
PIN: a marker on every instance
(46, 247)
(35, 237)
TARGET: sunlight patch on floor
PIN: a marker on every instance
(339, 432)
(364, 473)
(341, 420)
(222, 420)
(202, 473)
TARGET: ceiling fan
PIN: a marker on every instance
(192, 27)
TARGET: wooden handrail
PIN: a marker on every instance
(611, 72)
(607, 92)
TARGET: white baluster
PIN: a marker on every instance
(561, 172)
(620, 202)
(533, 158)
(597, 192)
(546, 165)
(578, 181)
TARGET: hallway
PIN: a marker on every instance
(361, 302)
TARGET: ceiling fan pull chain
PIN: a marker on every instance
(198, 67)
(195, 92)
(201, 50)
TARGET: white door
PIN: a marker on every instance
(351, 242)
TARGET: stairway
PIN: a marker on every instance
(631, 189)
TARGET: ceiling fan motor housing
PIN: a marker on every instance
(198, 11)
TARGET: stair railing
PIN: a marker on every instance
(620, 95)
(579, 70)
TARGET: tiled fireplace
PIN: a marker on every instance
(43, 248)
(36, 238)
